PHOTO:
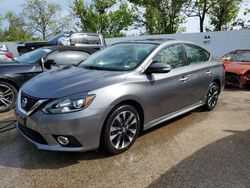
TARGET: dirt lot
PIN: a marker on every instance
(199, 149)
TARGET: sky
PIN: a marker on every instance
(192, 24)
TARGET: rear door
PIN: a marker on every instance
(200, 73)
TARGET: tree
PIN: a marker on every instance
(243, 22)
(199, 8)
(16, 30)
(161, 16)
(43, 18)
(224, 13)
(1, 29)
(99, 16)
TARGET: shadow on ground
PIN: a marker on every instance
(224, 163)
(17, 152)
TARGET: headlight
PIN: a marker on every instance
(69, 104)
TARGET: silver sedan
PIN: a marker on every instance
(116, 93)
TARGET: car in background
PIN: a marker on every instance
(5, 55)
(93, 40)
(117, 92)
(237, 68)
(14, 74)
(90, 40)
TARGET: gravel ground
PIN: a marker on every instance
(198, 149)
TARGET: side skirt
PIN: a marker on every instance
(172, 115)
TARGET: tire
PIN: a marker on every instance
(212, 96)
(8, 94)
(119, 135)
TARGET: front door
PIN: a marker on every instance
(167, 92)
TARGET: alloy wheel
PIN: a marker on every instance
(213, 94)
(123, 129)
(6, 97)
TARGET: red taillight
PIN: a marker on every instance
(9, 55)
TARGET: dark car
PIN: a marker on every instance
(28, 65)
(91, 40)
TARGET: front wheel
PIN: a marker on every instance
(7, 96)
(212, 96)
(121, 130)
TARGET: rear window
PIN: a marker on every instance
(86, 39)
(240, 56)
(196, 54)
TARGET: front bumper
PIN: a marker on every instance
(40, 129)
(237, 80)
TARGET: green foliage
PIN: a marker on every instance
(99, 16)
(43, 18)
(243, 22)
(223, 13)
(16, 30)
(161, 16)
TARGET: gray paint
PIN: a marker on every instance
(161, 96)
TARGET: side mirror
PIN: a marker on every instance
(158, 67)
(48, 63)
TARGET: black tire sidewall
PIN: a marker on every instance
(207, 107)
(105, 140)
(15, 95)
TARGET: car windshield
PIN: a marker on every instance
(57, 37)
(119, 57)
(239, 56)
(33, 56)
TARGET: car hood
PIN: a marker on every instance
(15, 67)
(68, 81)
(237, 67)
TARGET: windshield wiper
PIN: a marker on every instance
(97, 68)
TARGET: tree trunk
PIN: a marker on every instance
(201, 25)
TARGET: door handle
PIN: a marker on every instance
(208, 73)
(183, 79)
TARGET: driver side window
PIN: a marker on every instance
(172, 55)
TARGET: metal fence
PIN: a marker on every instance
(219, 43)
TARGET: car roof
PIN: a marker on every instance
(240, 50)
(71, 48)
(148, 40)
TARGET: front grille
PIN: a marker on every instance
(232, 77)
(31, 101)
(33, 135)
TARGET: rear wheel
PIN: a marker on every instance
(212, 96)
(7, 96)
(120, 130)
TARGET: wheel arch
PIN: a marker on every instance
(131, 102)
(217, 81)
(10, 82)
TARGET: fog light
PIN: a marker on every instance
(63, 140)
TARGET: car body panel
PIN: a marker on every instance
(237, 69)
(160, 96)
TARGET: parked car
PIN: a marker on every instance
(91, 40)
(117, 92)
(5, 55)
(237, 68)
(28, 65)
